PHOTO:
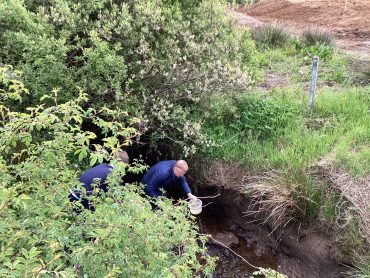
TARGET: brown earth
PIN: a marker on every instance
(347, 20)
(300, 251)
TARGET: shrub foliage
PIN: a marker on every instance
(151, 58)
(40, 233)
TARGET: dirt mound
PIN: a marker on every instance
(347, 20)
(245, 20)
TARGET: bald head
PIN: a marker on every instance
(123, 156)
(180, 168)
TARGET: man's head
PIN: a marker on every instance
(123, 156)
(180, 168)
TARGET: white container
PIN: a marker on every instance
(195, 206)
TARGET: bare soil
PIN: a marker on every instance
(347, 20)
(298, 251)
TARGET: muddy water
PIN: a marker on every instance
(299, 251)
(213, 220)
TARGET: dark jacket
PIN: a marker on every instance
(161, 176)
(99, 173)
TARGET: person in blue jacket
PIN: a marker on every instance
(96, 175)
(164, 175)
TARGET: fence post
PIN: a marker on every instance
(315, 62)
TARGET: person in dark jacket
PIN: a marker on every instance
(164, 175)
(96, 175)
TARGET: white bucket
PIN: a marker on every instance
(195, 206)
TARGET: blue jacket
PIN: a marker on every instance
(99, 172)
(161, 176)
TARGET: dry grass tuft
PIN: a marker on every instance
(357, 192)
(361, 69)
(276, 198)
(272, 35)
(273, 195)
(315, 35)
(223, 174)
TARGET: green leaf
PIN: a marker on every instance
(93, 160)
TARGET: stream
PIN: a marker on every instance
(215, 222)
(299, 251)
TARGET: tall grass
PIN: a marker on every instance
(271, 35)
(362, 268)
(315, 35)
(293, 139)
(360, 71)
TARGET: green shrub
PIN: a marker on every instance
(127, 54)
(314, 42)
(338, 70)
(41, 235)
(291, 138)
(251, 116)
(323, 51)
(271, 35)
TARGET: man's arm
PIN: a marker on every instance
(185, 187)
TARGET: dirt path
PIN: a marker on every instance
(347, 20)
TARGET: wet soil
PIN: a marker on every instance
(298, 251)
(214, 220)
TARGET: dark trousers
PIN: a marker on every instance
(149, 194)
(77, 197)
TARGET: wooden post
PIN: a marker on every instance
(315, 62)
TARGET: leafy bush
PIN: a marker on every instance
(296, 140)
(127, 54)
(271, 35)
(250, 116)
(313, 42)
(40, 235)
(322, 51)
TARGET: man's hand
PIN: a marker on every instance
(192, 197)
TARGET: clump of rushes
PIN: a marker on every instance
(272, 35)
(362, 268)
(365, 77)
(315, 36)
(361, 70)
(283, 196)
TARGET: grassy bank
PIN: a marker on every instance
(299, 155)
(278, 131)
